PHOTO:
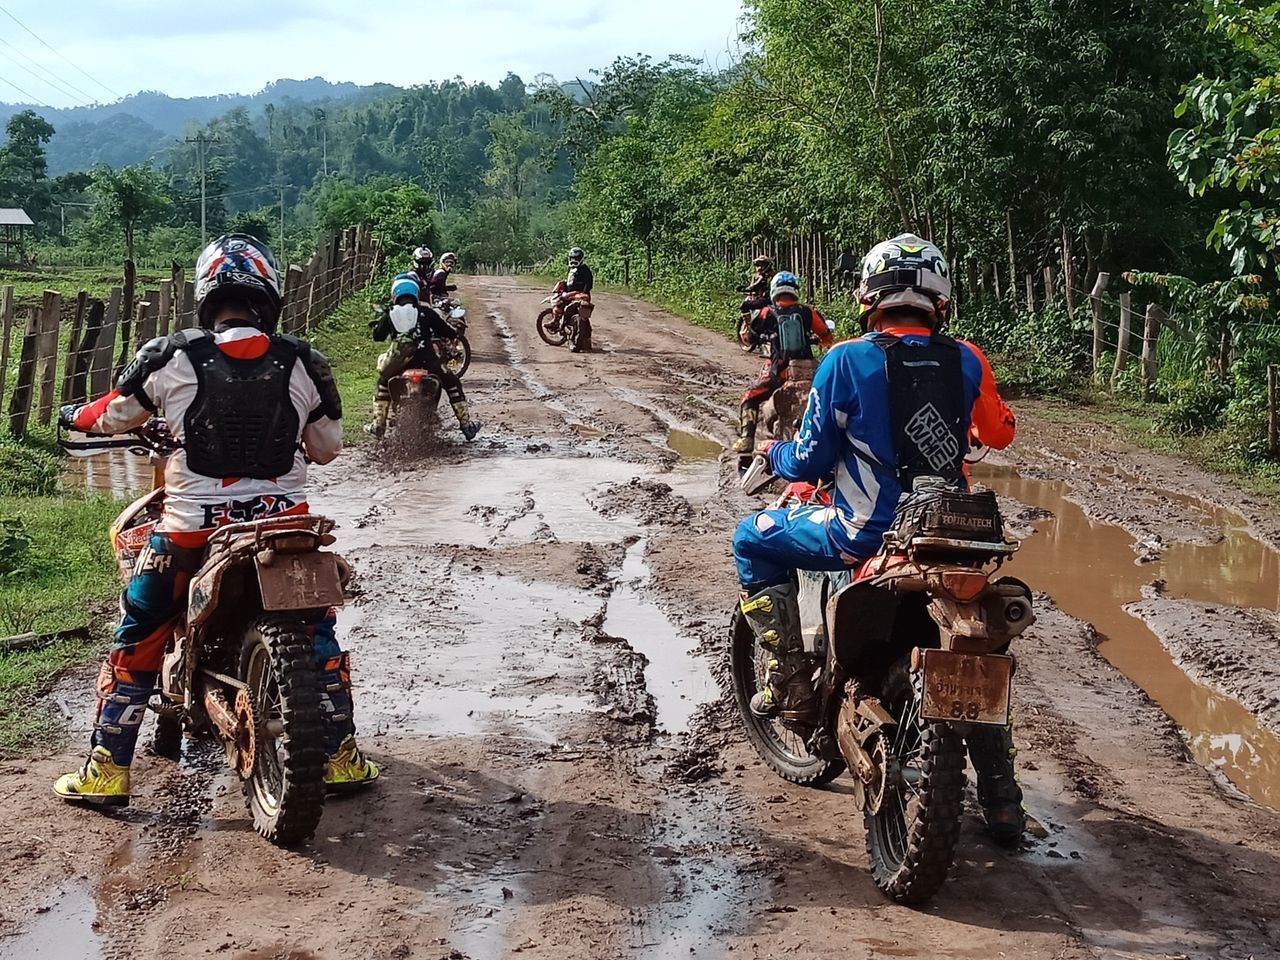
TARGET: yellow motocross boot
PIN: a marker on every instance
(100, 781)
(348, 769)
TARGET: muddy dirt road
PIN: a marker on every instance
(536, 643)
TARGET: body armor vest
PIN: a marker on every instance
(242, 422)
(926, 403)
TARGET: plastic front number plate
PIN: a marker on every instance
(966, 688)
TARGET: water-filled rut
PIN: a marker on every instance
(1089, 569)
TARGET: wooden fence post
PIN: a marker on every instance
(68, 368)
(6, 322)
(1049, 283)
(1095, 305)
(1013, 262)
(1068, 273)
(187, 316)
(626, 271)
(126, 314)
(1273, 411)
(140, 320)
(20, 402)
(85, 352)
(50, 326)
(1031, 292)
(292, 282)
(100, 370)
(1122, 338)
(1150, 342)
(165, 311)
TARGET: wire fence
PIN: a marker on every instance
(68, 348)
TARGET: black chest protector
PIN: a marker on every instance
(926, 402)
(242, 422)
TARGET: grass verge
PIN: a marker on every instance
(65, 572)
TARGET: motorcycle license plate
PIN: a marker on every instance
(300, 581)
(965, 687)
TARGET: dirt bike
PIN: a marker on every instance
(574, 324)
(415, 398)
(780, 415)
(239, 664)
(910, 653)
(454, 352)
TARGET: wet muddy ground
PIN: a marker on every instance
(537, 640)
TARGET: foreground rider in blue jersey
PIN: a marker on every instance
(895, 404)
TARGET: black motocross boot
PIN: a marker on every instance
(774, 616)
(991, 751)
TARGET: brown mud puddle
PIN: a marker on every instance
(1090, 571)
(117, 473)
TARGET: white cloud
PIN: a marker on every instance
(193, 49)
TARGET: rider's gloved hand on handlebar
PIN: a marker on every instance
(67, 415)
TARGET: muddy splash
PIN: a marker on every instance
(1089, 568)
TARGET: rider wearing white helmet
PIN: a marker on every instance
(886, 408)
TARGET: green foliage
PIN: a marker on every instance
(24, 178)
(129, 200)
(1035, 354)
(26, 471)
(402, 214)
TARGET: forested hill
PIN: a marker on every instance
(139, 127)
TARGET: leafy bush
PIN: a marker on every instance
(1197, 407)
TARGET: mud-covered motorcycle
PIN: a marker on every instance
(455, 352)
(567, 320)
(911, 654)
(240, 663)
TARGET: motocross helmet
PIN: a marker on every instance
(449, 260)
(763, 263)
(905, 272)
(423, 257)
(784, 284)
(238, 266)
(576, 256)
(405, 285)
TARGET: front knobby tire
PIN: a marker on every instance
(911, 841)
(285, 792)
(460, 359)
(555, 338)
(780, 748)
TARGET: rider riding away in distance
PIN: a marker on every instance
(413, 324)
(786, 326)
(249, 408)
(440, 287)
(896, 404)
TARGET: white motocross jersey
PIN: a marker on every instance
(194, 502)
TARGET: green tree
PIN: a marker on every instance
(129, 200)
(24, 171)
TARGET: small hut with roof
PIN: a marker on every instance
(13, 225)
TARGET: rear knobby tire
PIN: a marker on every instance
(911, 846)
(555, 338)
(285, 792)
(779, 748)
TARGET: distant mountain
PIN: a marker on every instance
(137, 127)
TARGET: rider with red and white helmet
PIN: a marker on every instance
(249, 407)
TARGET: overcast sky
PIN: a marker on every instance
(191, 49)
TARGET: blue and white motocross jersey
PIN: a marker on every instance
(847, 431)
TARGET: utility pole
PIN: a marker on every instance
(202, 142)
